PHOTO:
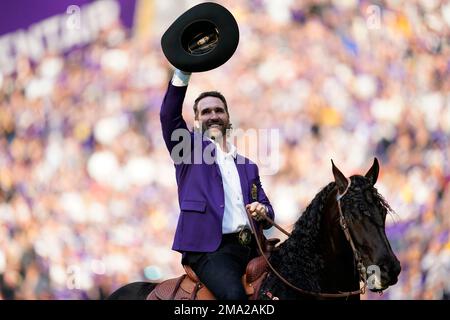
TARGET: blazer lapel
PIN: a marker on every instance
(216, 165)
(240, 165)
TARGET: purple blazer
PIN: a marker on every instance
(200, 188)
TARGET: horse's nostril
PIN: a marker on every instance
(390, 272)
(397, 268)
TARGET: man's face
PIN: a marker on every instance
(213, 117)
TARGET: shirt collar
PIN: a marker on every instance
(231, 147)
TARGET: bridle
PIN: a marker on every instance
(344, 226)
(356, 255)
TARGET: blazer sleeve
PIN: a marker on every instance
(262, 198)
(171, 115)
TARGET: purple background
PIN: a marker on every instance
(20, 14)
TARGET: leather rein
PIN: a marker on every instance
(356, 254)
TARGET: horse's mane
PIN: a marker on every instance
(301, 263)
(361, 196)
(298, 258)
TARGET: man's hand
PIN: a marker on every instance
(257, 210)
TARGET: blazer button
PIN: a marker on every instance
(222, 206)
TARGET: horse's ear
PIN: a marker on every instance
(339, 178)
(373, 172)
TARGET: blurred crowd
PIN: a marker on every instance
(88, 198)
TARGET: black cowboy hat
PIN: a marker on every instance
(201, 39)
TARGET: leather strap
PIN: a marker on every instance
(277, 226)
(197, 287)
(343, 223)
(177, 286)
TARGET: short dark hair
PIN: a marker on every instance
(215, 94)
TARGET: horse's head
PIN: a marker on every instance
(364, 211)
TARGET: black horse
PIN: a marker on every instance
(338, 241)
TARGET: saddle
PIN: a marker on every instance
(189, 287)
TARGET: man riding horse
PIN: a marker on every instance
(219, 188)
(213, 230)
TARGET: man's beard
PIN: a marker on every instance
(215, 129)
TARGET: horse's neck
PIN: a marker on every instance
(339, 271)
(330, 247)
(336, 274)
(299, 270)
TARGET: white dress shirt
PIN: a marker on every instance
(235, 216)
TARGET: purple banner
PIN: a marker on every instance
(30, 28)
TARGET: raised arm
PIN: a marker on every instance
(172, 107)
